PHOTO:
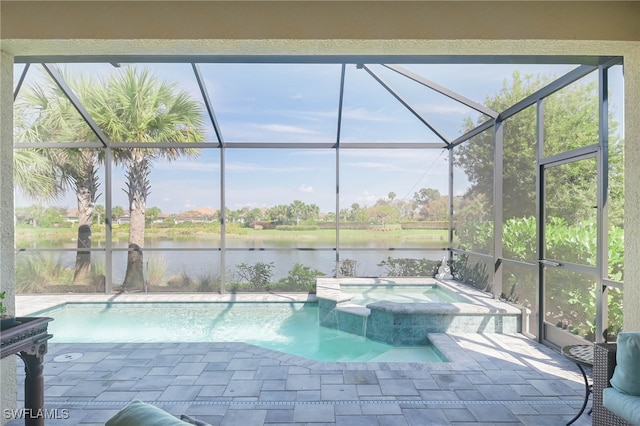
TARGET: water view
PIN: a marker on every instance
(198, 257)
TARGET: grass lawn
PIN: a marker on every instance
(52, 237)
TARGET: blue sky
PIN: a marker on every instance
(299, 103)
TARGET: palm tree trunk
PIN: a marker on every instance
(137, 190)
(87, 186)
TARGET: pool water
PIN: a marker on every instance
(287, 327)
(363, 295)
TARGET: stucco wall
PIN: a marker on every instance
(322, 20)
(7, 365)
(631, 300)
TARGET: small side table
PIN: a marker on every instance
(582, 356)
(28, 339)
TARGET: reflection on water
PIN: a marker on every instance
(205, 259)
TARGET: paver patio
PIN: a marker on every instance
(490, 379)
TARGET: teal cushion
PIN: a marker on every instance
(625, 406)
(138, 413)
(193, 420)
(626, 376)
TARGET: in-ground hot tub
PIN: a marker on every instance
(402, 311)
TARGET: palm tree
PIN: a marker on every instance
(136, 106)
(99, 211)
(132, 107)
(296, 210)
(45, 114)
(35, 175)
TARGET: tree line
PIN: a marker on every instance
(426, 205)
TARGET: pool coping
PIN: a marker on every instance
(29, 304)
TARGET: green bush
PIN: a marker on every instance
(258, 276)
(472, 273)
(299, 278)
(347, 268)
(570, 297)
(407, 267)
(427, 224)
(238, 287)
(156, 269)
(208, 283)
(297, 228)
(35, 272)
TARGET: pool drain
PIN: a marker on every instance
(68, 357)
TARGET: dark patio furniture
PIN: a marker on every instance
(604, 362)
(582, 355)
(28, 339)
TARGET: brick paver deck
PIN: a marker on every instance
(489, 379)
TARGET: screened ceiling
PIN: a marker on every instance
(319, 103)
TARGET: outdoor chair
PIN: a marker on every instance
(139, 413)
(604, 363)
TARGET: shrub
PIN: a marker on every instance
(427, 224)
(238, 287)
(570, 296)
(258, 275)
(208, 283)
(156, 270)
(181, 280)
(297, 228)
(299, 278)
(474, 274)
(347, 268)
(34, 272)
(407, 267)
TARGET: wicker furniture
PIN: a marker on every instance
(604, 362)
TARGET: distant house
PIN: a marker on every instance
(161, 218)
(201, 215)
(123, 219)
(71, 216)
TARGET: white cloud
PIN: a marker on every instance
(305, 188)
(371, 165)
(364, 114)
(283, 128)
(191, 166)
(252, 167)
(367, 198)
(440, 109)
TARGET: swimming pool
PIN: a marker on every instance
(287, 327)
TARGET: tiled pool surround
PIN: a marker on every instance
(409, 323)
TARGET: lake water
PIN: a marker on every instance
(200, 258)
